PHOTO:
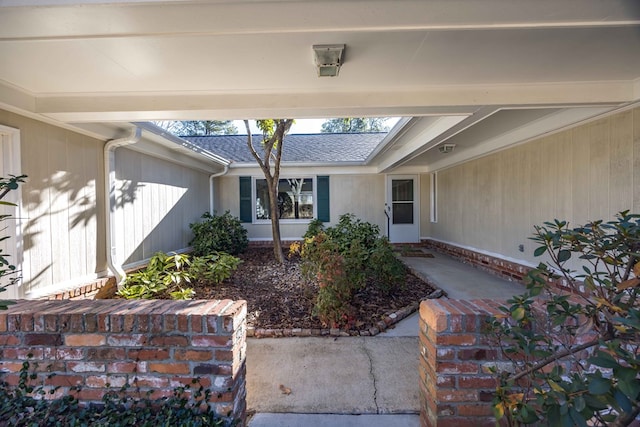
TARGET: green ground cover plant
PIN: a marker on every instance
(172, 274)
(344, 259)
(575, 355)
(27, 405)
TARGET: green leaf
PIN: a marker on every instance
(630, 387)
(623, 401)
(564, 255)
(579, 403)
(604, 360)
(599, 386)
(518, 313)
(539, 251)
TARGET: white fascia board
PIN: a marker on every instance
(441, 100)
(288, 171)
(425, 138)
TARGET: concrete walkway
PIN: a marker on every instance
(355, 381)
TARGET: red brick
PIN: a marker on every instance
(477, 354)
(169, 368)
(128, 322)
(458, 339)
(90, 322)
(169, 341)
(106, 354)
(105, 381)
(183, 381)
(127, 340)
(88, 394)
(156, 323)
(148, 354)
(196, 324)
(122, 367)
(64, 380)
(457, 368)
(195, 355)
(85, 340)
(64, 353)
(469, 410)
(211, 341)
(42, 339)
(9, 340)
(85, 367)
(433, 315)
(150, 381)
(224, 355)
(453, 395)
(476, 382)
(26, 322)
(183, 323)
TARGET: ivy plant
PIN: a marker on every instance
(574, 336)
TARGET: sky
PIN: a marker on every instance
(300, 126)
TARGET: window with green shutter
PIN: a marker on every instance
(245, 199)
(324, 214)
(296, 199)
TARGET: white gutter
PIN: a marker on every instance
(211, 190)
(109, 206)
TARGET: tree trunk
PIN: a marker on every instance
(275, 222)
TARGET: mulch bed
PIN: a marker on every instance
(280, 302)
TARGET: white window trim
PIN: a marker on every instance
(10, 138)
(314, 183)
(433, 197)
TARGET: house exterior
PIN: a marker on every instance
(509, 119)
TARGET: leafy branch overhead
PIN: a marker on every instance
(574, 336)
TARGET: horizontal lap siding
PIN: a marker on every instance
(581, 174)
(156, 200)
(63, 236)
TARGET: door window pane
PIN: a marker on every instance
(403, 213)
(402, 190)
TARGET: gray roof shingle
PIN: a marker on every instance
(301, 148)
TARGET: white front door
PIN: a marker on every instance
(402, 209)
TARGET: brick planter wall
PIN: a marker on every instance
(154, 345)
(456, 387)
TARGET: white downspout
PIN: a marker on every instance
(110, 195)
(211, 190)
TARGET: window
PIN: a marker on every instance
(295, 199)
(299, 199)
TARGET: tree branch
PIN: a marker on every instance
(555, 357)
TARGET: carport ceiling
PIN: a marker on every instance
(483, 74)
(118, 60)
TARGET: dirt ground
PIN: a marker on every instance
(278, 297)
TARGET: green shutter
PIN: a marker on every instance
(323, 199)
(246, 215)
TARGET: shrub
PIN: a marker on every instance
(26, 405)
(218, 233)
(169, 274)
(344, 259)
(575, 355)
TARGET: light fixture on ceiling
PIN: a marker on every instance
(446, 148)
(328, 59)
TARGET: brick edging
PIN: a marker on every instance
(381, 326)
